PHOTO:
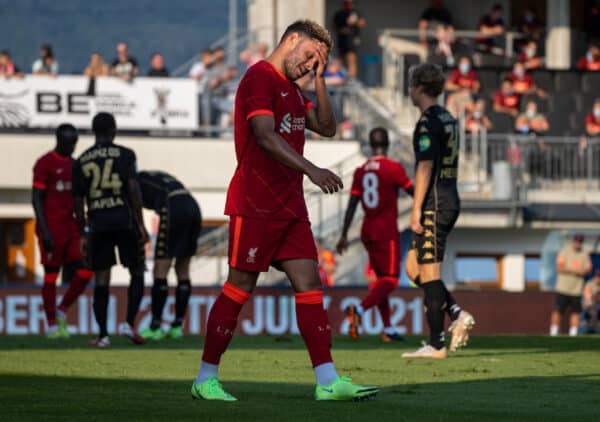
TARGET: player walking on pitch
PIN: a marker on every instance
(105, 175)
(436, 207)
(56, 228)
(375, 186)
(179, 227)
(268, 216)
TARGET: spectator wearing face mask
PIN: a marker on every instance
(477, 120)
(531, 121)
(464, 77)
(591, 61)
(506, 99)
(530, 24)
(592, 120)
(530, 57)
(522, 81)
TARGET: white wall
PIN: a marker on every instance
(205, 166)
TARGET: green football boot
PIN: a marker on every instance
(150, 334)
(343, 389)
(174, 332)
(211, 389)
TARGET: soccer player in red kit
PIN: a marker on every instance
(56, 228)
(268, 216)
(375, 186)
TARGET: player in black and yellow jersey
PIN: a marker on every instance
(177, 238)
(105, 178)
(435, 210)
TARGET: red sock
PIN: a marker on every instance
(314, 326)
(77, 286)
(49, 297)
(384, 311)
(222, 322)
(383, 287)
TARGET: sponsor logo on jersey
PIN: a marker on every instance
(428, 255)
(290, 123)
(284, 94)
(424, 143)
(428, 245)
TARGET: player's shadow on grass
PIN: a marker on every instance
(31, 397)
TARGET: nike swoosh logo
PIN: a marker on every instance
(284, 94)
(329, 390)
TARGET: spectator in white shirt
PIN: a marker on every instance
(46, 64)
(200, 68)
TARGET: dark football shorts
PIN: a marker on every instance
(563, 302)
(101, 249)
(431, 244)
(179, 228)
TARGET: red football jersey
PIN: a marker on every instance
(52, 172)
(509, 101)
(464, 80)
(262, 187)
(376, 183)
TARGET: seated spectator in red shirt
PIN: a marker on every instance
(7, 68)
(591, 61)
(529, 56)
(531, 121)
(477, 120)
(506, 99)
(522, 81)
(463, 78)
(592, 120)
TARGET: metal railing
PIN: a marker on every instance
(552, 163)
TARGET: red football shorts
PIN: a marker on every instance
(384, 256)
(66, 247)
(255, 244)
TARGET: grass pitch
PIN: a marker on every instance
(517, 378)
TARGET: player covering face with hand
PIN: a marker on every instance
(268, 216)
(56, 228)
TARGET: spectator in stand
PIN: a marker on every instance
(7, 68)
(464, 77)
(530, 24)
(347, 24)
(96, 67)
(493, 26)
(522, 81)
(327, 264)
(460, 103)
(157, 66)
(591, 303)
(442, 51)
(436, 14)
(223, 97)
(506, 99)
(200, 69)
(218, 72)
(124, 66)
(592, 120)
(591, 61)
(334, 74)
(477, 120)
(254, 54)
(531, 121)
(46, 64)
(529, 56)
(572, 265)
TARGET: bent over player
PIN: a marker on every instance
(178, 230)
(375, 185)
(268, 216)
(435, 209)
(105, 175)
(56, 228)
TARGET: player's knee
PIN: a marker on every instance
(182, 269)
(161, 268)
(242, 280)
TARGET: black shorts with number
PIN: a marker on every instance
(179, 228)
(567, 301)
(101, 249)
(431, 244)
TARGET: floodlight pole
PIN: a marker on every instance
(233, 33)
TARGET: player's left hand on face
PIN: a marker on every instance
(415, 222)
(322, 59)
